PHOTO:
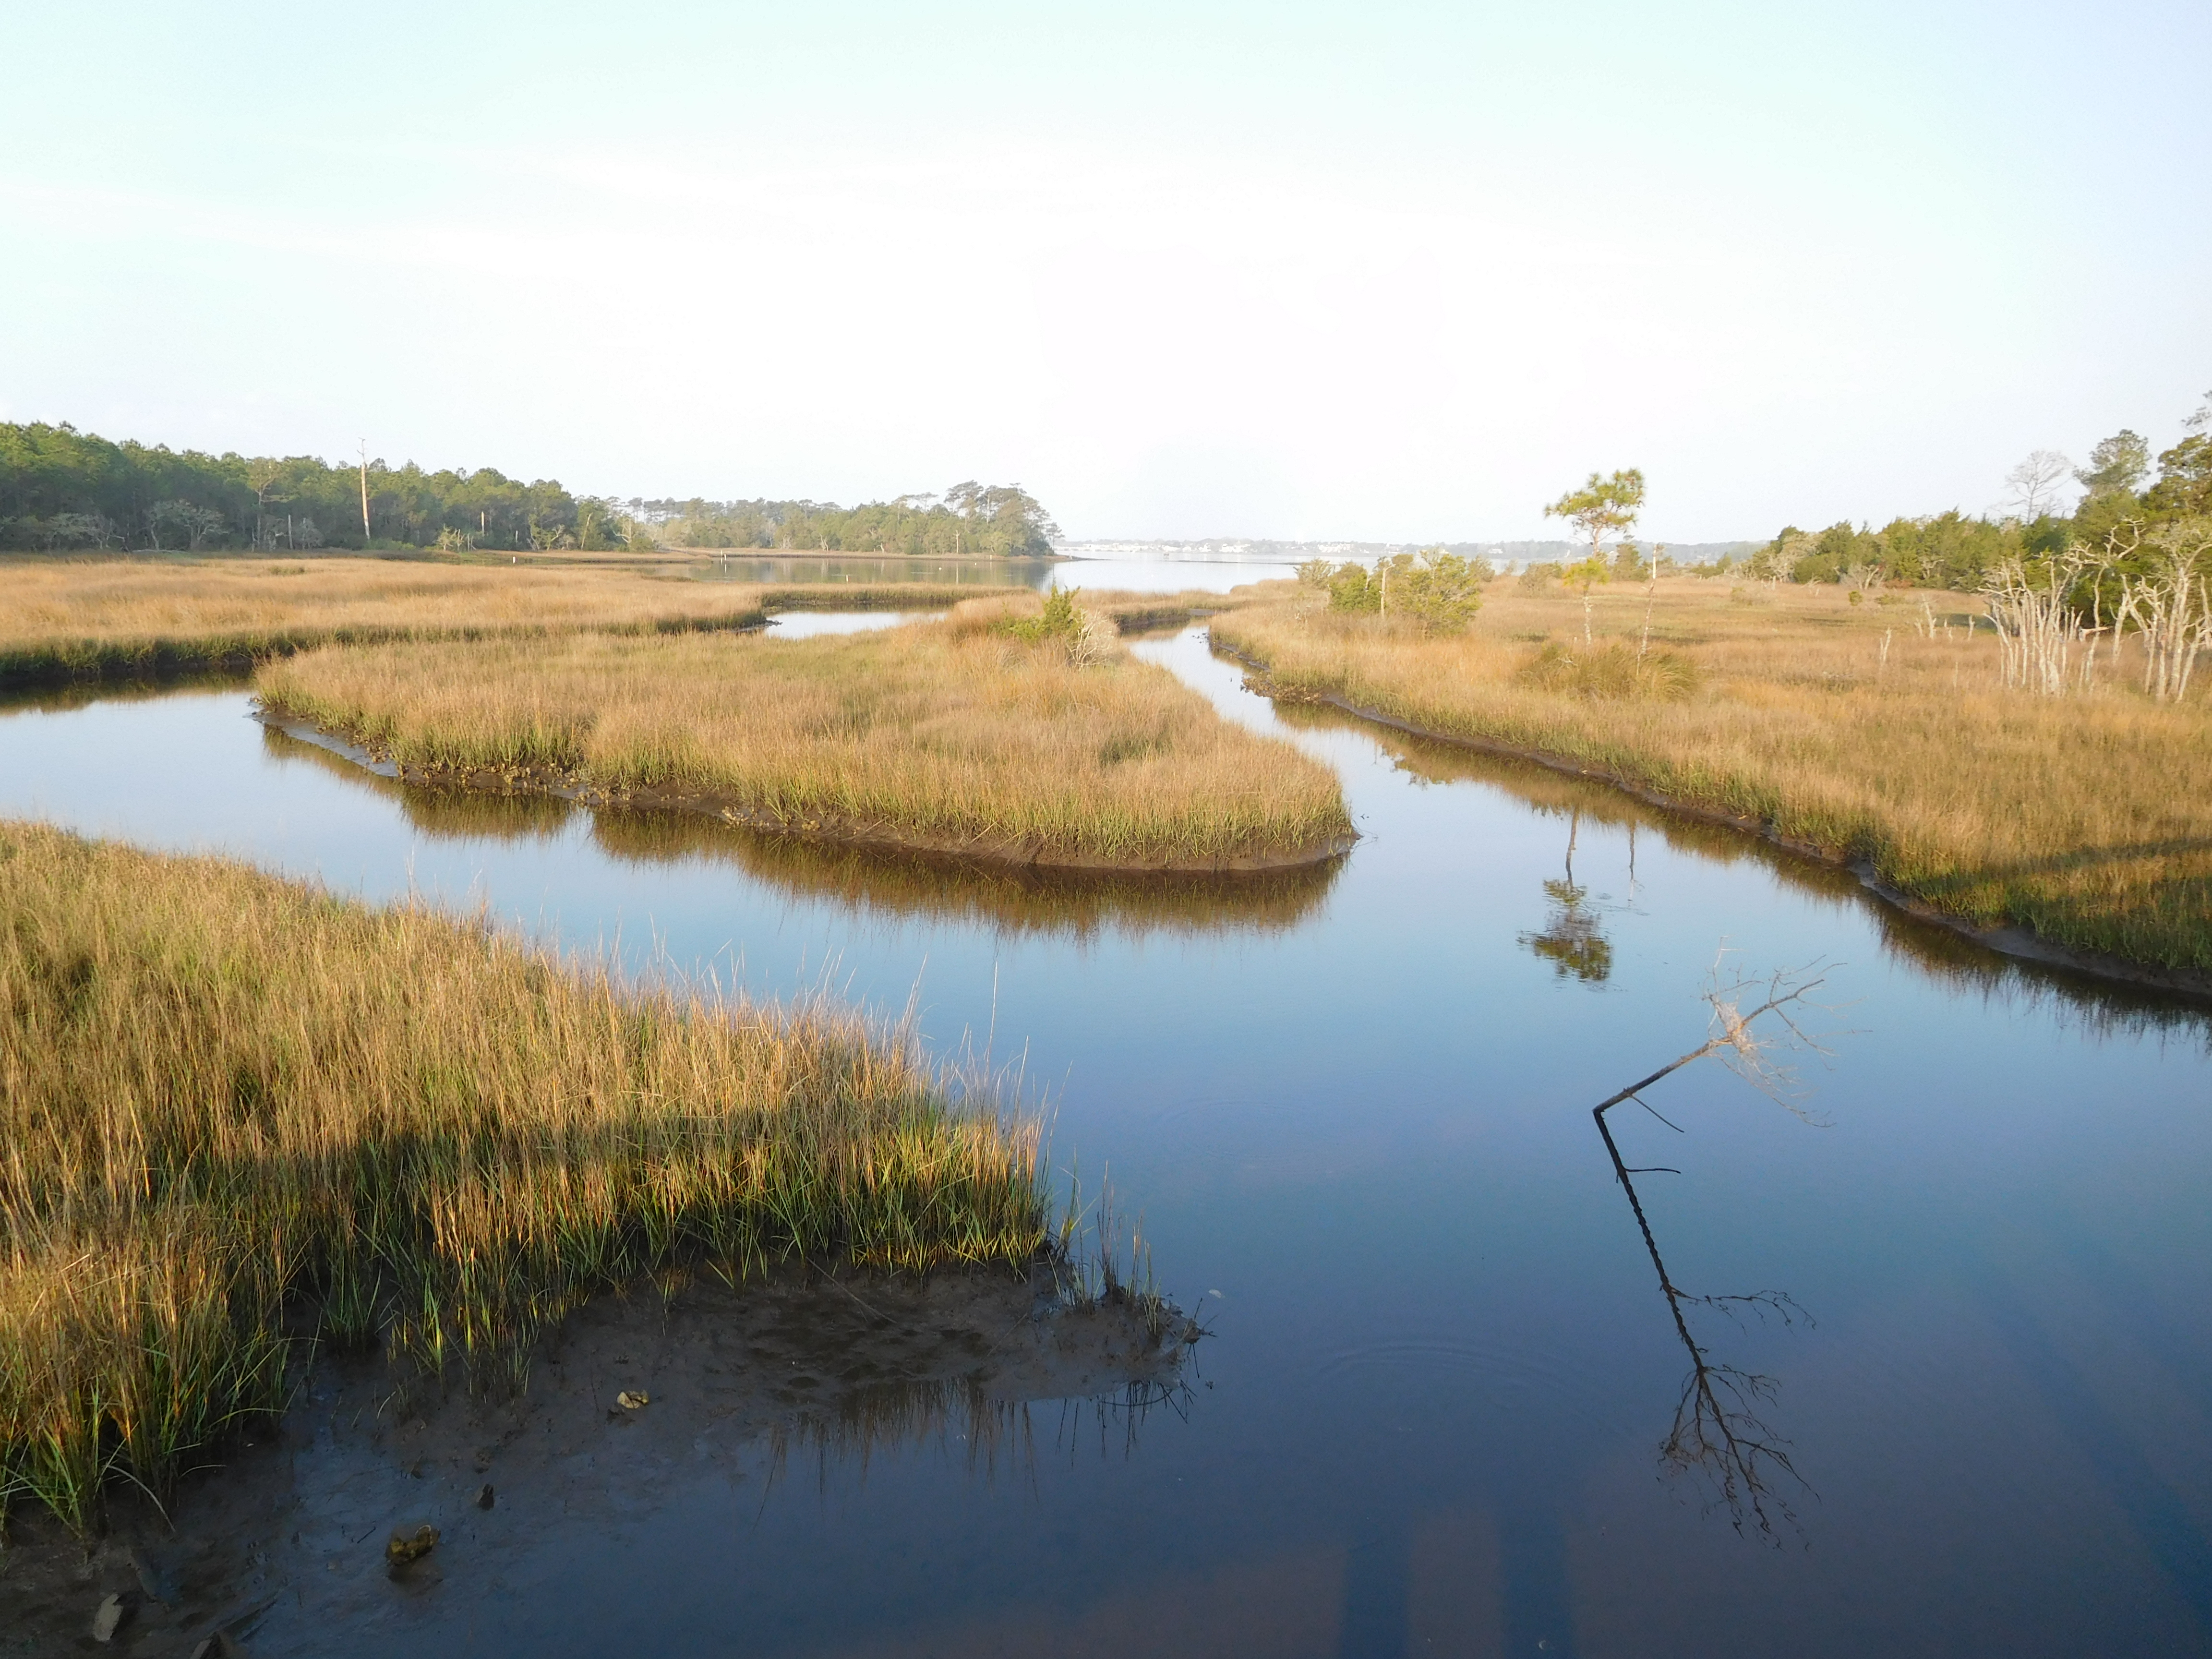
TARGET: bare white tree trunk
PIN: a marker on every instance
(2037, 630)
(2171, 606)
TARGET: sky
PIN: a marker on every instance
(1381, 271)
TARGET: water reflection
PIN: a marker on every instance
(1719, 1437)
(2076, 1000)
(971, 1418)
(809, 568)
(1009, 900)
(1572, 940)
(814, 624)
(445, 812)
(72, 695)
(994, 1373)
(1354, 1128)
(1120, 576)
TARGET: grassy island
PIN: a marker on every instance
(238, 1111)
(959, 736)
(110, 618)
(1880, 734)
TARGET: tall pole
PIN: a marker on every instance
(364, 492)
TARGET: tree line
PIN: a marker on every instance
(63, 489)
(2123, 508)
(994, 521)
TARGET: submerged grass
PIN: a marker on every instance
(64, 619)
(948, 735)
(1874, 733)
(234, 1109)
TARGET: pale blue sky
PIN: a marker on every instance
(1376, 271)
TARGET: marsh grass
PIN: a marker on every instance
(874, 883)
(2087, 819)
(118, 618)
(237, 1113)
(948, 735)
(1613, 671)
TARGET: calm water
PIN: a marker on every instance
(1138, 576)
(738, 566)
(807, 624)
(1354, 1108)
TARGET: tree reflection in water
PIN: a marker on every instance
(1719, 1437)
(1571, 940)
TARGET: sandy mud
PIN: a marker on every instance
(289, 1548)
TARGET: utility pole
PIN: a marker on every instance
(364, 492)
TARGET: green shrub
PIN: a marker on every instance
(1060, 619)
(1436, 591)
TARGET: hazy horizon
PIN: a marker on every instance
(1396, 273)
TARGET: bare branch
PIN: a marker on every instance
(1718, 1436)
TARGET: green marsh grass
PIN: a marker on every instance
(237, 1113)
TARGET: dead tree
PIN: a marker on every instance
(2037, 626)
(2171, 606)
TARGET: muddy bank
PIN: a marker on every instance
(2010, 940)
(636, 1400)
(821, 827)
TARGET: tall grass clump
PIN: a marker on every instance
(1613, 671)
(236, 1112)
(957, 735)
(1866, 735)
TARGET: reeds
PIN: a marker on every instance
(236, 1112)
(120, 618)
(1855, 730)
(1613, 671)
(946, 736)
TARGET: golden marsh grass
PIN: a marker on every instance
(2087, 819)
(942, 735)
(235, 1110)
(872, 882)
(62, 619)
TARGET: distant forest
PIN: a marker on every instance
(61, 490)
(2122, 505)
(1501, 555)
(1000, 520)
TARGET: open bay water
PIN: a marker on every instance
(1156, 576)
(1353, 1110)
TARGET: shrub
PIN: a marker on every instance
(1438, 592)
(1063, 623)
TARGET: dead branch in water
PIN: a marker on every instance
(1718, 1434)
